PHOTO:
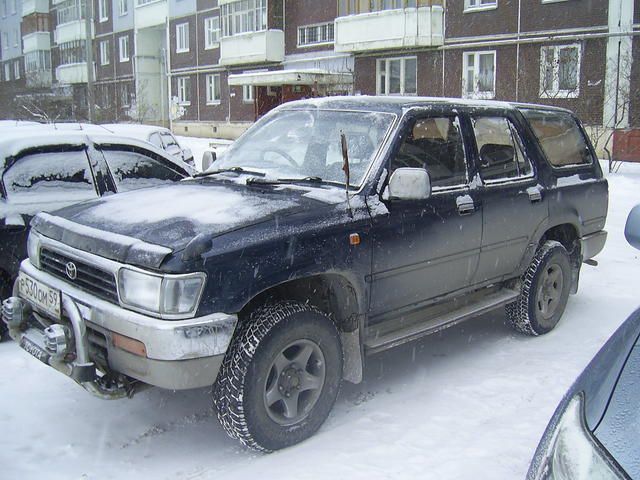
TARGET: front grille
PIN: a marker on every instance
(88, 278)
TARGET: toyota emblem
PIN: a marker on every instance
(72, 271)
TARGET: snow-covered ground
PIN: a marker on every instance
(469, 403)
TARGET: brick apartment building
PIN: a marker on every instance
(211, 67)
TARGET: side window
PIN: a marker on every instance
(50, 177)
(133, 170)
(560, 137)
(155, 139)
(500, 149)
(170, 143)
(435, 144)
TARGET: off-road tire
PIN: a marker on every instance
(525, 313)
(239, 391)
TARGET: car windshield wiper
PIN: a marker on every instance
(284, 181)
(230, 169)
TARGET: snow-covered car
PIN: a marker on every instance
(594, 431)
(159, 136)
(47, 172)
(332, 229)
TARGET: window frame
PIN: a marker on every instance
(16, 70)
(208, 31)
(478, 6)
(123, 40)
(387, 76)
(478, 95)
(183, 86)
(103, 11)
(555, 91)
(182, 37)
(210, 88)
(329, 40)
(123, 11)
(104, 53)
(248, 93)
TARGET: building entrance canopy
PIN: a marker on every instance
(290, 77)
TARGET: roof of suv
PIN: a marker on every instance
(396, 104)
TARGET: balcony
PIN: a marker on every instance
(72, 73)
(151, 13)
(34, 6)
(36, 41)
(68, 32)
(386, 29)
(254, 47)
(38, 79)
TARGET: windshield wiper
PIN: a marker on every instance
(284, 181)
(230, 169)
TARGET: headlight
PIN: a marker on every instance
(573, 454)
(167, 296)
(33, 248)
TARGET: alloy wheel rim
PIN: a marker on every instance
(549, 291)
(294, 382)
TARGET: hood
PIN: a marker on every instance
(168, 217)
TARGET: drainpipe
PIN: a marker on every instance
(88, 20)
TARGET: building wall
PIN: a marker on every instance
(307, 12)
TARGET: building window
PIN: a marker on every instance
(354, 7)
(14, 7)
(70, 11)
(123, 7)
(16, 70)
(72, 52)
(480, 4)
(104, 52)
(16, 37)
(5, 40)
(211, 32)
(184, 90)
(247, 93)
(560, 71)
(103, 13)
(244, 16)
(479, 74)
(3, 8)
(123, 44)
(7, 72)
(182, 37)
(315, 34)
(37, 61)
(213, 89)
(396, 76)
(125, 94)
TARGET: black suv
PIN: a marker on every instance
(332, 229)
(41, 169)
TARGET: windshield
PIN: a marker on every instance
(306, 143)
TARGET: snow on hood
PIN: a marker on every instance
(172, 216)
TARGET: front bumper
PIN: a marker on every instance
(177, 354)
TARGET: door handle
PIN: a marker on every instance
(465, 205)
(535, 194)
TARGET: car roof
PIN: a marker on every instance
(134, 129)
(399, 104)
(26, 139)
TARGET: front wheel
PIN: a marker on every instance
(280, 377)
(544, 292)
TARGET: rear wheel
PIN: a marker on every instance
(280, 377)
(544, 291)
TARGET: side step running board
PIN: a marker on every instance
(412, 332)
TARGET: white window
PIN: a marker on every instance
(103, 13)
(396, 76)
(211, 32)
(123, 44)
(213, 89)
(123, 7)
(16, 70)
(7, 72)
(480, 4)
(5, 40)
(315, 34)
(182, 37)
(560, 71)
(479, 74)
(104, 52)
(14, 6)
(244, 16)
(16, 37)
(3, 8)
(247, 93)
(184, 90)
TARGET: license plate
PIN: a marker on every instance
(35, 350)
(42, 296)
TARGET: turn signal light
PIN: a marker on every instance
(129, 344)
(354, 239)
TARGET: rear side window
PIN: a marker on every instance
(50, 177)
(560, 137)
(133, 170)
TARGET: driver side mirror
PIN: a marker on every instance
(632, 228)
(408, 184)
(187, 155)
(208, 158)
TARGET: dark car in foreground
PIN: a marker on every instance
(43, 170)
(332, 229)
(595, 430)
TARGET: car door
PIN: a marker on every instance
(424, 249)
(514, 202)
(41, 180)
